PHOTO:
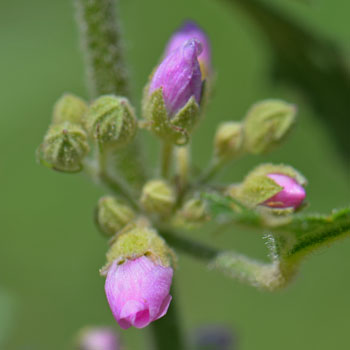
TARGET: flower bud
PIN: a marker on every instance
(98, 338)
(69, 108)
(228, 142)
(190, 30)
(138, 277)
(64, 147)
(111, 121)
(193, 213)
(171, 101)
(138, 291)
(267, 124)
(113, 214)
(158, 197)
(274, 186)
(291, 195)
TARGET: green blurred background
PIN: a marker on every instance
(50, 251)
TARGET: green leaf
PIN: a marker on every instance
(296, 235)
(310, 232)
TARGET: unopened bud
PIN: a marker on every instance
(64, 147)
(193, 213)
(267, 124)
(113, 215)
(158, 197)
(69, 108)
(291, 195)
(274, 186)
(139, 276)
(172, 99)
(111, 121)
(228, 142)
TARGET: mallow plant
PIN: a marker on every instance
(148, 213)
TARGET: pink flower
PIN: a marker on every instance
(291, 196)
(138, 291)
(190, 30)
(99, 338)
(179, 77)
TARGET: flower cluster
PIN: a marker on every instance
(95, 137)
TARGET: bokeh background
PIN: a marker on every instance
(50, 251)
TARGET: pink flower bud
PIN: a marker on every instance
(291, 196)
(138, 291)
(99, 338)
(190, 30)
(179, 76)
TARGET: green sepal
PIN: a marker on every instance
(175, 129)
(64, 147)
(138, 239)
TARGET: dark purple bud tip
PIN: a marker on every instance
(291, 196)
(179, 77)
(190, 30)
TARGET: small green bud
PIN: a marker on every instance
(111, 121)
(136, 240)
(257, 186)
(267, 124)
(193, 213)
(69, 108)
(158, 197)
(228, 142)
(64, 147)
(113, 214)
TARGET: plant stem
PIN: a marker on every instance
(111, 182)
(166, 159)
(102, 44)
(268, 276)
(101, 40)
(167, 334)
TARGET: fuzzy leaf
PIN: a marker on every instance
(296, 235)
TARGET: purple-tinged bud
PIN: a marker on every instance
(291, 196)
(98, 338)
(179, 77)
(190, 30)
(214, 337)
(138, 291)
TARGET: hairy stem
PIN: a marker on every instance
(269, 276)
(106, 70)
(166, 159)
(102, 46)
(166, 331)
